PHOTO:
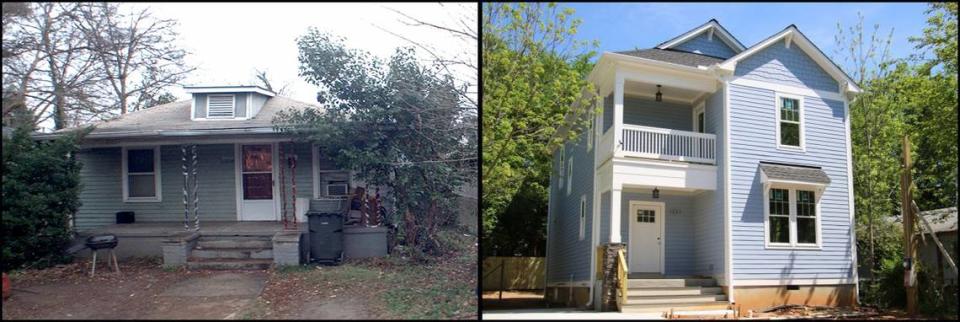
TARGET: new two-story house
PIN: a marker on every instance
(722, 171)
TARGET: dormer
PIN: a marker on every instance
(210, 103)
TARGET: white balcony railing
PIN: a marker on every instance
(668, 144)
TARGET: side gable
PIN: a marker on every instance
(708, 39)
(786, 66)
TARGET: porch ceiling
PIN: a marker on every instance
(670, 93)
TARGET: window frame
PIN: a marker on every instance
(318, 191)
(583, 216)
(778, 100)
(697, 111)
(157, 173)
(233, 106)
(563, 163)
(792, 197)
(569, 174)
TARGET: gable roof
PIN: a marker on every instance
(713, 27)
(792, 35)
(674, 56)
(174, 118)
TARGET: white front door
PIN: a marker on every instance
(257, 193)
(645, 252)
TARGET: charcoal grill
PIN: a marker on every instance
(98, 242)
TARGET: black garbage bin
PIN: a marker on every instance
(326, 237)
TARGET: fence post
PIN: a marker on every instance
(502, 260)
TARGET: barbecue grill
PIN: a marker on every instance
(98, 242)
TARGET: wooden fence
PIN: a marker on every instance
(517, 273)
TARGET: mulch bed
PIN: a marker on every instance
(830, 313)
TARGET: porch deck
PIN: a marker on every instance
(209, 228)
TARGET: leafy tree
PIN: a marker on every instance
(398, 124)
(41, 186)
(533, 75)
(522, 228)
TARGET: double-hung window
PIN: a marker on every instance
(789, 121)
(791, 217)
(141, 174)
(583, 216)
(562, 164)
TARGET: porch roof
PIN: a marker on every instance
(780, 172)
(674, 56)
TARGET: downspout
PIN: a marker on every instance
(594, 233)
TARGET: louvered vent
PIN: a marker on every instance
(220, 106)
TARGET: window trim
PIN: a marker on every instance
(583, 216)
(319, 193)
(792, 227)
(124, 157)
(802, 106)
(569, 174)
(563, 161)
(233, 109)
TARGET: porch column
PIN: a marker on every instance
(615, 214)
(618, 115)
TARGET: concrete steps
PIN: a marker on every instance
(220, 252)
(646, 295)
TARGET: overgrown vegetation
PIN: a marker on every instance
(41, 187)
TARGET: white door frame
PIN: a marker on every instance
(661, 208)
(238, 155)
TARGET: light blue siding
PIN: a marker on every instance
(569, 256)
(708, 224)
(780, 65)
(753, 139)
(678, 232)
(102, 195)
(702, 45)
(647, 112)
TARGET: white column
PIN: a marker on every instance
(618, 114)
(615, 214)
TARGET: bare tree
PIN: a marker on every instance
(135, 51)
(264, 81)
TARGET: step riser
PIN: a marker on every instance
(226, 243)
(665, 309)
(255, 254)
(227, 266)
(668, 292)
(660, 283)
(671, 300)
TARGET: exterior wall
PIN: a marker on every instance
(753, 139)
(709, 227)
(760, 297)
(102, 194)
(200, 105)
(304, 174)
(931, 257)
(678, 232)
(647, 112)
(702, 45)
(779, 65)
(569, 257)
(605, 200)
(258, 101)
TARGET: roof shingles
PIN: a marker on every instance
(674, 56)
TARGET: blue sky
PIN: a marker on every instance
(625, 26)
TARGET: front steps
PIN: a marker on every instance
(645, 295)
(245, 252)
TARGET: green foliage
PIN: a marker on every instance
(534, 86)
(522, 228)
(398, 124)
(41, 188)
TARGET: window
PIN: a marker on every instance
(791, 217)
(583, 216)
(789, 121)
(590, 133)
(700, 127)
(569, 175)
(562, 163)
(646, 215)
(141, 174)
(220, 106)
(330, 182)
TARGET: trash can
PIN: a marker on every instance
(326, 237)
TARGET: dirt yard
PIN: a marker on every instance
(391, 288)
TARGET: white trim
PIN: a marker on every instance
(801, 114)
(238, 177)
(249, 112)
(238, 180)
(727, 206)
(156, 173)
(849, 86)
(315, 156)
(662, 207)
(853, 231)
(787, 89)
(227, 89)
(582, 216)
(700, 108)
(594, 230)
(788, 281)
(616, 193)
(792, 198)
(709, 26)
(193, 107)
(233, 107)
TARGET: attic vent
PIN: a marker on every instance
(220, 106)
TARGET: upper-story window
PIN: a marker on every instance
(221, 106)
(562, 164)
(789, 121)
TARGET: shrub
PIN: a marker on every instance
(40, 192)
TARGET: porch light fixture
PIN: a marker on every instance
(656, 191)
(659, 95)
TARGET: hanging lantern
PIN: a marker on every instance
(656, 193)
(659, 95)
